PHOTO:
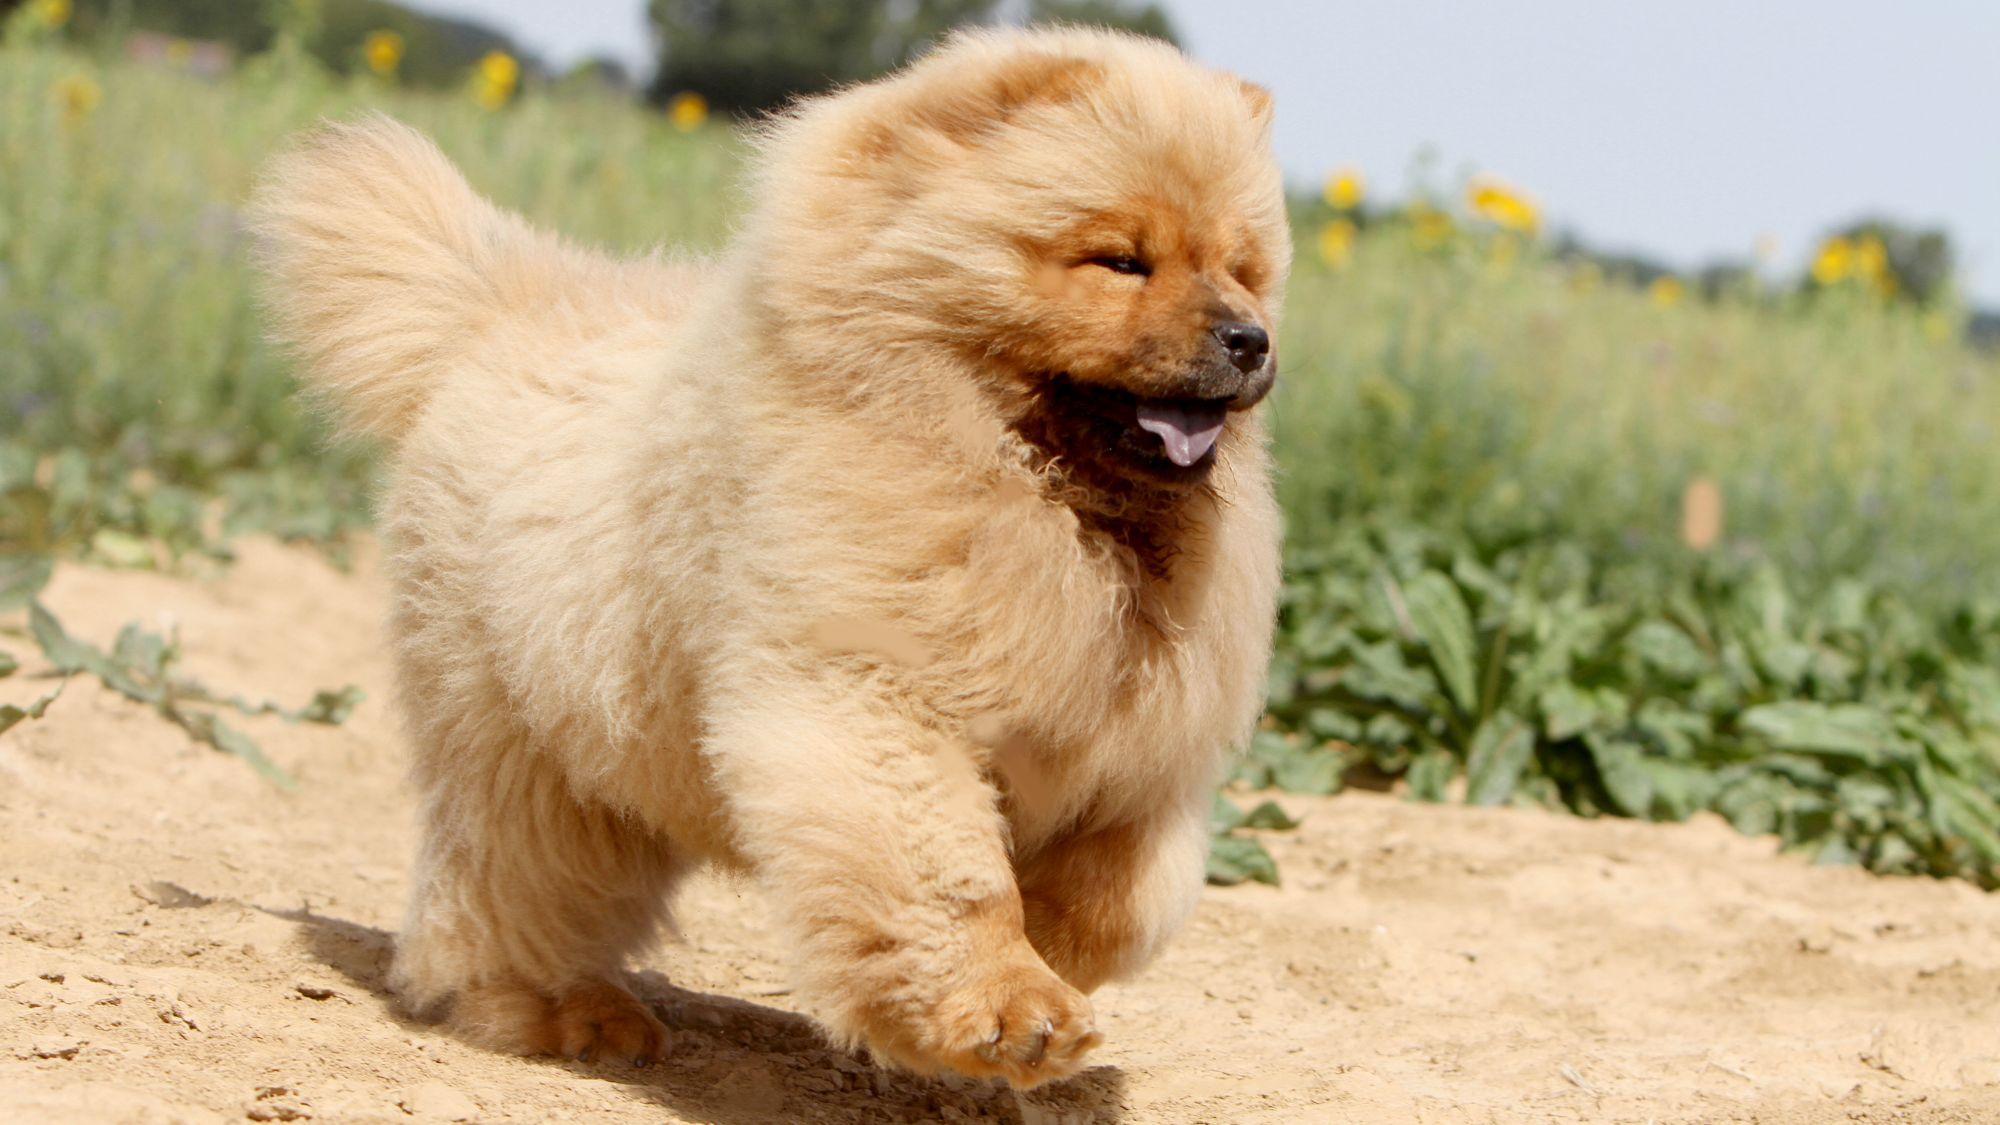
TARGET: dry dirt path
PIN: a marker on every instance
(180, 941)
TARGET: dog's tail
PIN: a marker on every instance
(379, 259)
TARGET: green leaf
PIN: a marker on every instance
(1317, 770)
(65, 652)
(1568, 710)
(113, 547)
(1233, 859)
(332, 708)
(10, 714)
(1325, 723)
(8, 664)
(1441, 620)
(1622, 770)
(1269, 815)
(1663, 648)
(1851, 731)
(1379, 673)
(1223, 816)
(22, 576)
(1429, 773)
(142, 651)
(205, 727)
(328, 707)
(1501, 749)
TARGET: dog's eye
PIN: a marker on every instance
(1123, 263)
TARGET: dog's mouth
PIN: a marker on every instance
(1187, 428)
(1167, 440)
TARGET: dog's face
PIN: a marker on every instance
(1152, 324)
(1094, 219)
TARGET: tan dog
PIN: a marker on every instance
(917, 555)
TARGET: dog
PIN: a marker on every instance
(916, 555)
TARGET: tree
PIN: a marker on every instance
(1145, 19)
(747, 56)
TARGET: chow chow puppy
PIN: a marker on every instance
(916, 555)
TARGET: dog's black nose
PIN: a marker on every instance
(1246, 344)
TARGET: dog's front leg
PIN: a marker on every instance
(888, 856)
(1101, 900)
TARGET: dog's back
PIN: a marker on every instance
(389, 275)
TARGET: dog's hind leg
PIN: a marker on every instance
(527, 902)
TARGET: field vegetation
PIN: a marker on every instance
(1554, 537)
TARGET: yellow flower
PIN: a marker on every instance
(494, 79)
(1336, 242)
(384, 51)
(1871, 264)
(687, 111)
(1345, 188)
(77, 95)
(52, 13)
(1834, 262)
(1430, 228)
(1666, 291)
(1502, 205)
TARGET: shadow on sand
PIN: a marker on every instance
(735, 1062)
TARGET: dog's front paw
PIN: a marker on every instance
(1028, 1027)
(1015, 1020)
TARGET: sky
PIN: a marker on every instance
(1683, 130)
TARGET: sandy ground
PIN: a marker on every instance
(180, 941)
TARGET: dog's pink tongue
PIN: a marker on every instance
(1187, 434)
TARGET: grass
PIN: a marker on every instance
(1484, 458)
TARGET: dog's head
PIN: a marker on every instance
(1092, 220)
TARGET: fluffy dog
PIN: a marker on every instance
(917, 555)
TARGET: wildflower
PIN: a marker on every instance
(687, 111)
(77, 95)
(384, 52)
(1345, 188)
(494, 79)
(1871, 264)
(1701, 514)
(1666, 291)
(1834, 261)
(1502, 205)
(1430, 228)
(52, 13)
(1336, 242)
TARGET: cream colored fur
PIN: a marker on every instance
(739, 563)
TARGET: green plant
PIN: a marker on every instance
(141, 667)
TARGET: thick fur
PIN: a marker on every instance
(772, 562)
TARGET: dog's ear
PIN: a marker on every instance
(1259, 100)
(967, 106)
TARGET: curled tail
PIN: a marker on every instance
(378, 256)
